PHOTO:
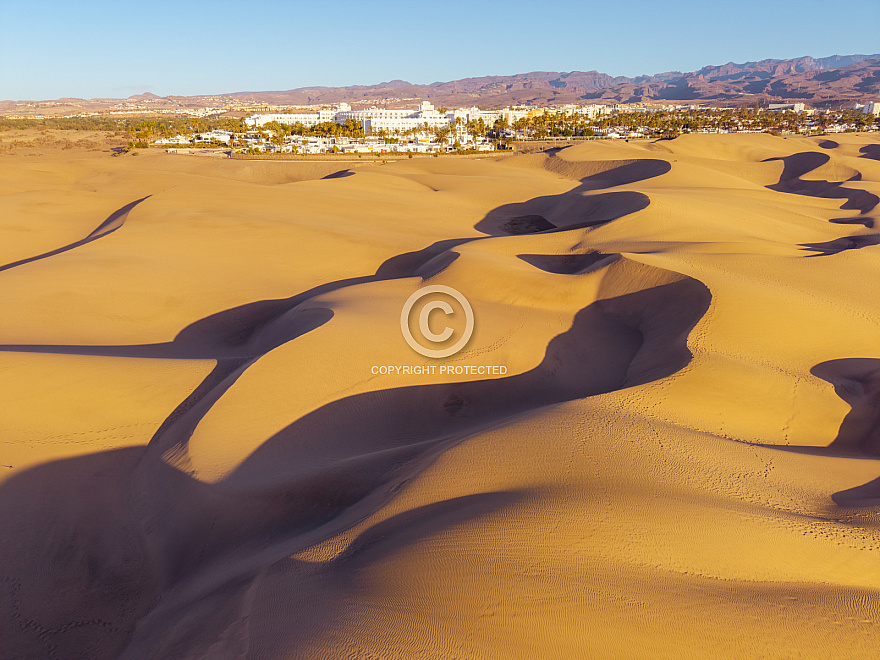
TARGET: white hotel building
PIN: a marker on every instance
(392, 121)
(377, 119)
(794, 107)
(304, 118)
(397, 121)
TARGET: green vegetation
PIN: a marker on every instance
(477, 128)
(670, 123)
(142, 131)
(137, 127)
(63, 124)
(350, 128)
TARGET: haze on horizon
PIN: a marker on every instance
(96, 49)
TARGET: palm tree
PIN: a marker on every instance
(442, 132)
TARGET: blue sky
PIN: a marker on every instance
(90, 49)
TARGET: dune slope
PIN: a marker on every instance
(199, 457)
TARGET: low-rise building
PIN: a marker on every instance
(289, 118)
(215, 136)
(781, 107)
(475, 114)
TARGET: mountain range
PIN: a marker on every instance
(817, 81)
(835, 81)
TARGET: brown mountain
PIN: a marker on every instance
(818, 81)
(832, 81)
(768, 81)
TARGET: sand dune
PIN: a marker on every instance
(111, 224)
(198, 459)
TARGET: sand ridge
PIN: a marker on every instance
(687, 425)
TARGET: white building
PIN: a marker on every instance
(397, 120)
(590, 111)
(220, 136)
(475, 114)
(378, 119)
(215, 136)
(872, 108)
(511, 115)
(306, 119)
(177, 139)
(794, 107)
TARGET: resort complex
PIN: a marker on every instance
(399, 121)
(429, 130)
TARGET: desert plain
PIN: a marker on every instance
(199, 460)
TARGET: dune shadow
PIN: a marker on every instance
(567, 264)
(313, 594)
(865, 222)
(610, 173)
(857, 382)
(797, 165)
(871, 151)
(866, 495)
(113, 222)
(838, 245)
(69, 539)
(317, 593)
(422, 263)
(613, 343)
(573, 210)
(519, 225)
(247, 331)
(828, 144)
(581, 207)
(255, 328)
(341, 174)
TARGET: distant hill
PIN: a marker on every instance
(833, 81)
(817, 81)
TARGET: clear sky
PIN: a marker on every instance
(118, 48)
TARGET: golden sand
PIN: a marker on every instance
(197, 459)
